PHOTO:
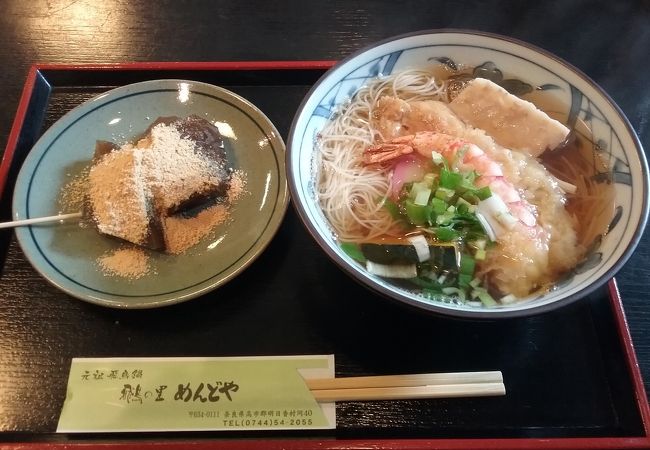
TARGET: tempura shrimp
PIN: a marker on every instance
(466, 156)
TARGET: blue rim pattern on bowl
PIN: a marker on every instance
(585, 101)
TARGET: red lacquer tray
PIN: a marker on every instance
(571, 375)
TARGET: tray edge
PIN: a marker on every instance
(291, 444)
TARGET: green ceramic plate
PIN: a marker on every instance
(66, 254)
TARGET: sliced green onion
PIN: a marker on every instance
(444, 193)
(471, 197)
(468, 181)
(421, 246)
(446, 234)
(438, 158)
(416, 214)
(447, 204)
(444, 218)
(483, 193)
(464, 280)
(484, 297)
(439, 205)
(467, 264)
(449, 179)
(476, 282)
(416, 188)
(430, 216)
(422, 197)
(455, 291)
(353, 251)
(462, 201)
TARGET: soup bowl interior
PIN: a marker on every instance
(577, 101)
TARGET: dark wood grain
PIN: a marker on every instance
(609, 41)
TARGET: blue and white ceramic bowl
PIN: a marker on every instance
(498, 58)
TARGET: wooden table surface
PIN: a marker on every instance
(608, 40)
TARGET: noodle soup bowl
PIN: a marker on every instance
(523, 70)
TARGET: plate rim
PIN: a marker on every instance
(258, 245)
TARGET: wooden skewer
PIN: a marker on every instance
(410, 392)
(421, 379)
(37, 220)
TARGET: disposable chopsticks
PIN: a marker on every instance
(420, 379)
(394, 387)
(410, 392)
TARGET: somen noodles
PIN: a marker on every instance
(416, 192)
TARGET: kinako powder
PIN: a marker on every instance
(181, 233)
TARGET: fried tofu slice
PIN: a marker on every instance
(513, 123)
